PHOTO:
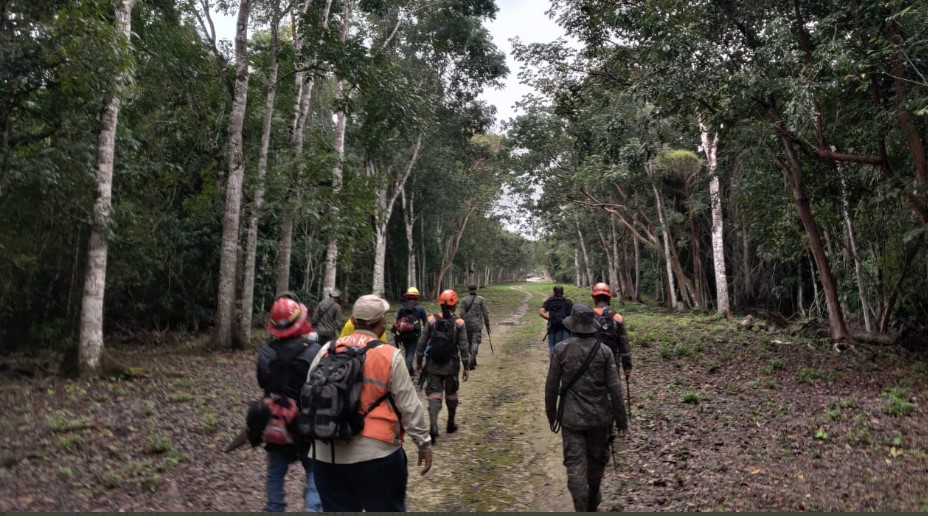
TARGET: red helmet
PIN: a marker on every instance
(602, 289)
(448, 297)
(287, 318)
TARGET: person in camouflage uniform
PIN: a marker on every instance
(583, 402)
(327, 317)
(476, 316)
(443, 376)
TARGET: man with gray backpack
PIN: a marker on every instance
(358, 404)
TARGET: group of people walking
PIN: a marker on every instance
(340, 400)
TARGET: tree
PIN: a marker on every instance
(228, 264)
(91, 326)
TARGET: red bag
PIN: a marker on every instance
(402, 326)
(283, 413)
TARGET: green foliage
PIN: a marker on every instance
(808, 375)
(158, 444)
(690, 397)
(897, 402)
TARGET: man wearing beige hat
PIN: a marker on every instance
(369, 472)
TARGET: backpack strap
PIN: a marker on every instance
(556, 427)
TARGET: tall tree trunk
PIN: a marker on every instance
(386, 196)
(852, 240)
(452, 250)
(228, 263)
(248, 283)
(637, 269)
(331, 253)
(577, 281)
(620, 289)
(409, 221)
(794, 174)
(586, 256)
(610, 260)
(668, 258)
(90, 348)
(710, 147)
(302, 99)
(910, 253)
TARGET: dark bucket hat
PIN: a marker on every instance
(581, 319)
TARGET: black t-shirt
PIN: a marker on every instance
(557, 308)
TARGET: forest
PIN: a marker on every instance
(749, 176)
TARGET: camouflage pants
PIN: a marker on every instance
(438, 383)
(586, 454)
(474, 337)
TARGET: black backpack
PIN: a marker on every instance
(287, 372)
(557, 313)
(331, 397)
(607, 330)
(441, 341)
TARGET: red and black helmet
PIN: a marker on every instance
(288, 318)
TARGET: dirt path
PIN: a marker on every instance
(503, 458)
(723, 420)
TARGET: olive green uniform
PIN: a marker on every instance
(590, 407)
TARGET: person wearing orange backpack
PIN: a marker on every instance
(443, 344)
(283, 364)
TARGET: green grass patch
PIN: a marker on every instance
(179, 397)
(69, 442)
(64, 473)
(112, 478)
(65, 421)
(158, 444)
(897, 402)
(690, 397)
(808, 375)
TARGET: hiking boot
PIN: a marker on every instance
(452, 427)
(433, 432)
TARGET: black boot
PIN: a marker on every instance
(452, 410)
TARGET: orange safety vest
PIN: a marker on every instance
(382, 423)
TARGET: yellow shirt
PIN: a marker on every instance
(348, 329)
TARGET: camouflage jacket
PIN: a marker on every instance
(460, 340)
(595, 400)
(475, 312)
(327, 317)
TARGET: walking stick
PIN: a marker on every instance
(628, 395)
(490, 339)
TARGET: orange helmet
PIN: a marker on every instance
(602, 289)
(448, 297)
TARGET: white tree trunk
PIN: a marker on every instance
(577, 269)
(303, 91)
(586, 256)
(248, 283)
(90, 342)
(668, 256)
(228, 262)
(409, 220)
(637, 268)
(710, 146)
(386, 196)
(852, 240)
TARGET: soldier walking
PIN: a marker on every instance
(443, 345)
(583, 398)
(476, 316)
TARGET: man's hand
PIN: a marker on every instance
(425, 460)
(488, 330)
(465, 375)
